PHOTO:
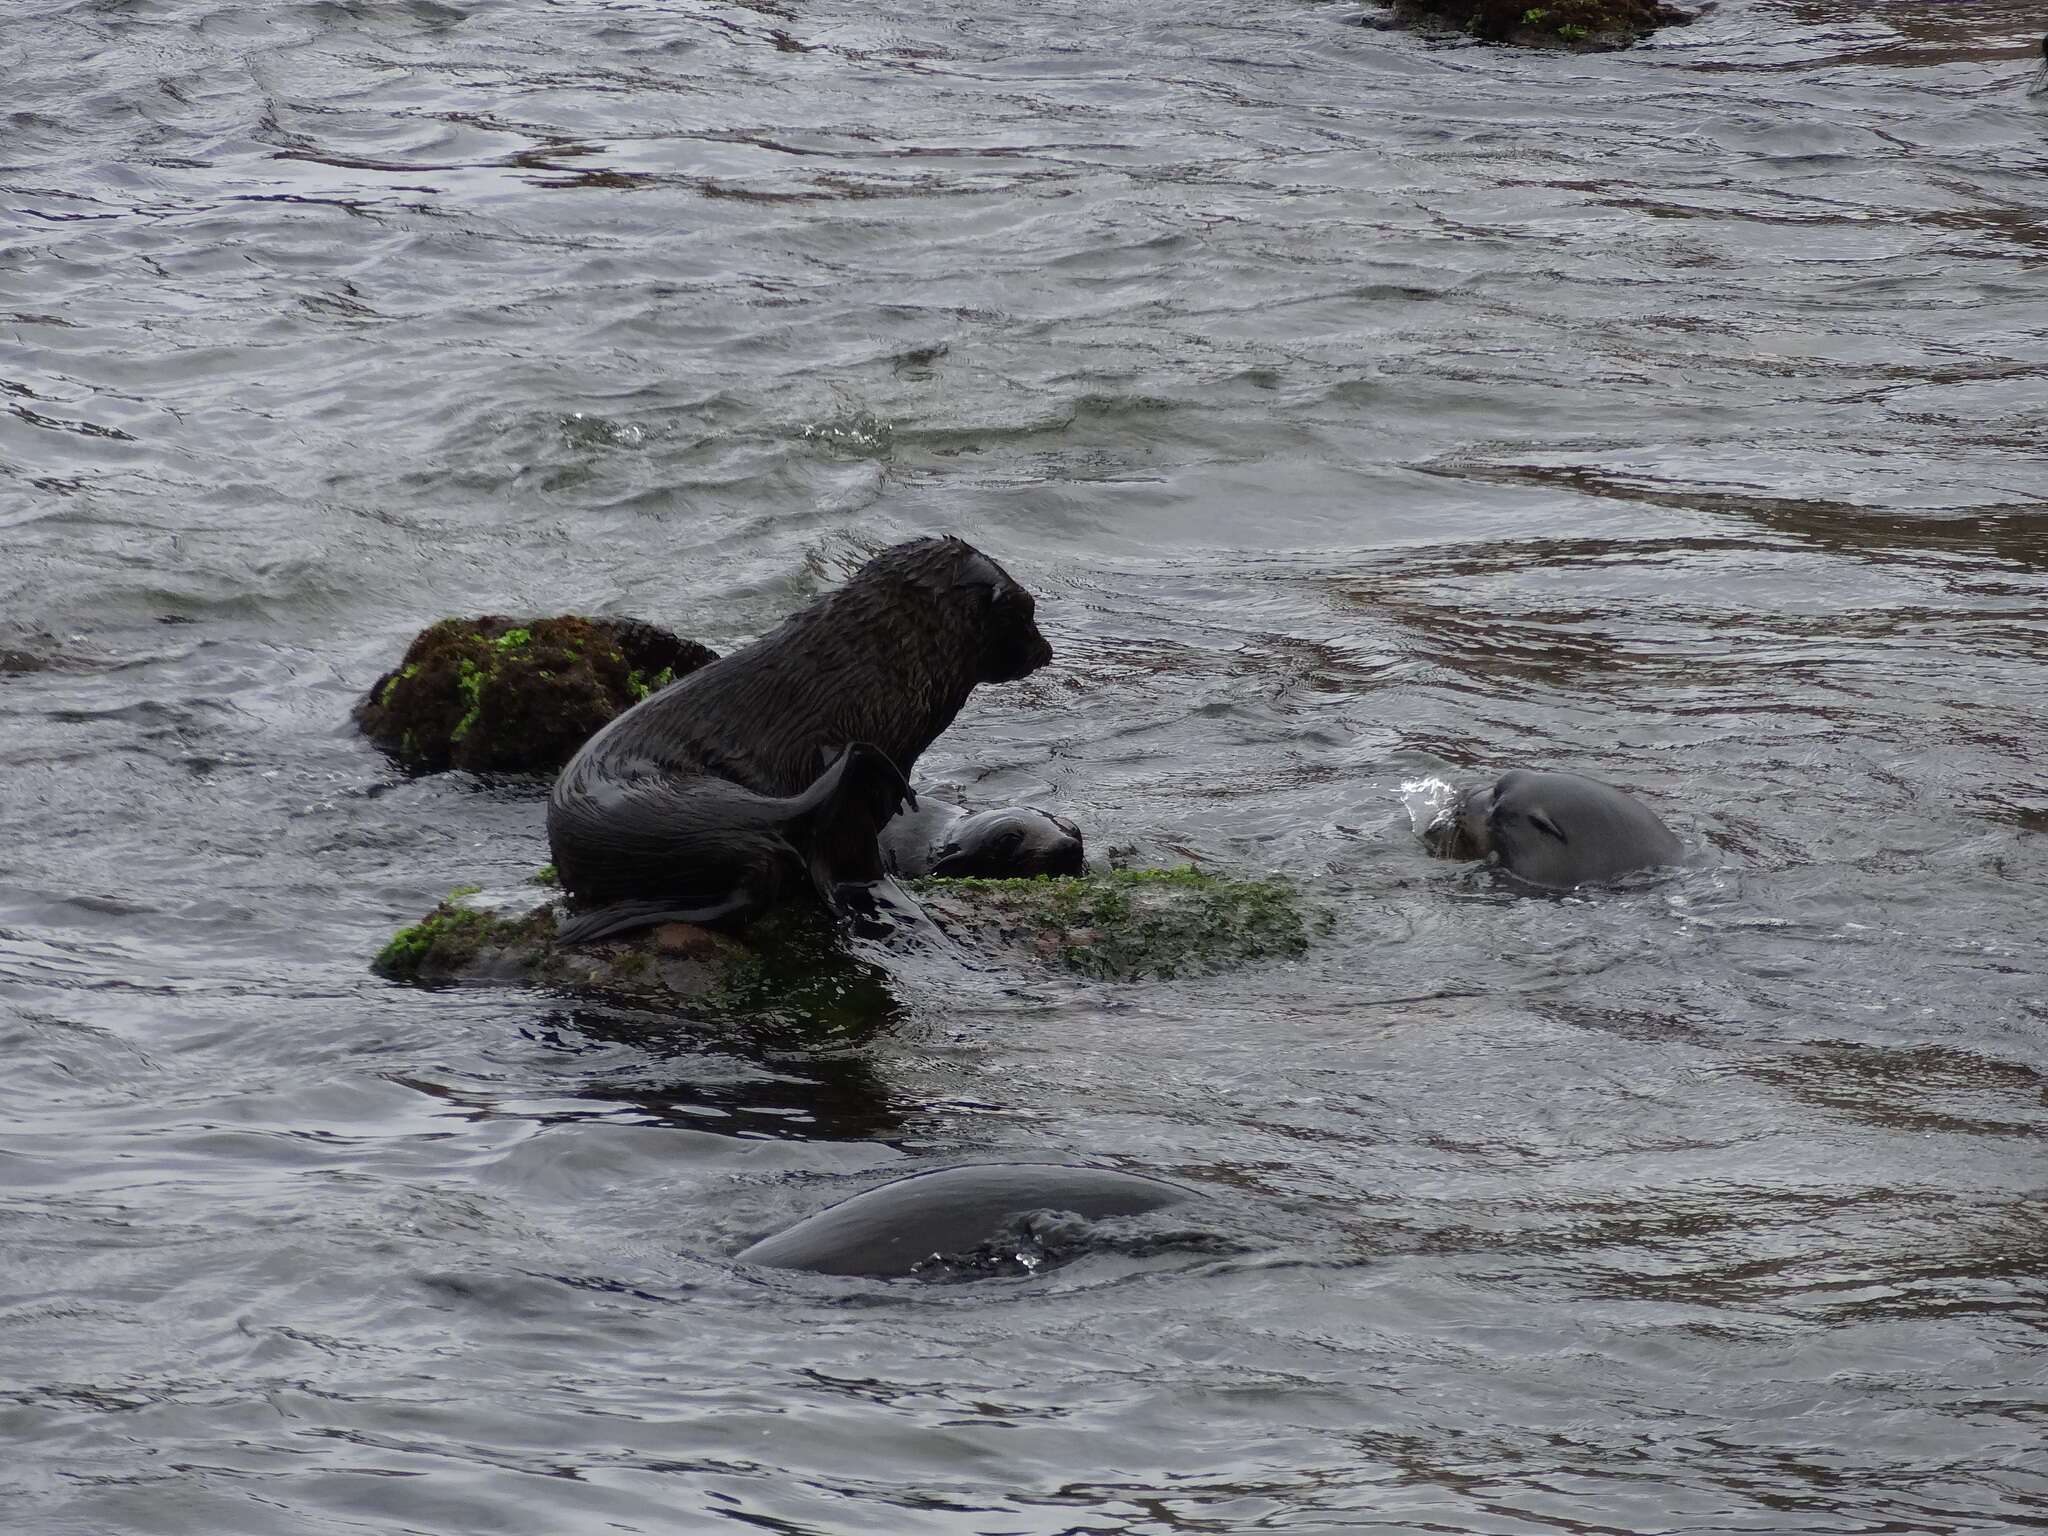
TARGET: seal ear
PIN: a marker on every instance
(1542, 823)
(982, 572)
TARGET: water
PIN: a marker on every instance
(1366, 413)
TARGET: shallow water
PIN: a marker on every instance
(1365, 411)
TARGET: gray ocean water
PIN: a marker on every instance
(1367, 413)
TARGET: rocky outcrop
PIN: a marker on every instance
(1583, 26)
(1125, 925)
(500, 695)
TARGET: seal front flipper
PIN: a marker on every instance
(845, 809)
(848, 805)
(861, 768)
(883, 911)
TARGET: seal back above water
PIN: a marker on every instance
(892, 1229)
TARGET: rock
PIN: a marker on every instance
(499, 695)
(1582, 26)
(1126, 925)
(790, 967)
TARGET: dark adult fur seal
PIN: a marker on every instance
(1014, 843)
(1555, 830)
(775, 767)
(892, 1229)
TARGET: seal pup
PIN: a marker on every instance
(777, 766)
(1556, 830)
(1014, 843)
(895, 1227)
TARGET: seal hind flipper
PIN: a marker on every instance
(703, 851)
(625, 916)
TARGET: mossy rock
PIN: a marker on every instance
(500, 695)
(1125, 925)
(464, 940)
(1129, 924)
(789, 969)
(1583, 26)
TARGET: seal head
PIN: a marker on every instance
(1555, 830)
(1013, 843)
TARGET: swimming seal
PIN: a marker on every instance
(1555, 830)
(777, 766)
(1015, 843)
(891, 1229)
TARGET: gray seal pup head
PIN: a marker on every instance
(1011, 843)
(1555, 830)
(1015, 843)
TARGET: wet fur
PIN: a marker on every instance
(777, 766)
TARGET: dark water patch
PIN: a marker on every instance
(2014, 537)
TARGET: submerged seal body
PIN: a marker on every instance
(776, 767)
(892, 1229)
(1015, 843)
(1556, 830)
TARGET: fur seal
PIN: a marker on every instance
(1014, 843)
(893, 1228)
(777, 766)
(1556, 830)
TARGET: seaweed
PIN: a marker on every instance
(1132, 924)
(794, 972)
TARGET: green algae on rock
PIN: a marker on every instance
(500, 695)
(790, 970)
(1583, 26)
(463, 940)
(1128, 924)
(1125, 925)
